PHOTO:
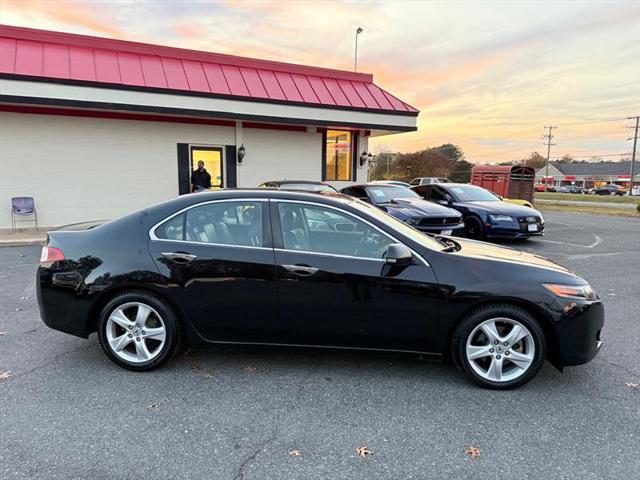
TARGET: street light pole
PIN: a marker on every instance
(359, 30)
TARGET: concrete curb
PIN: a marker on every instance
(541, 201)
(19, 239)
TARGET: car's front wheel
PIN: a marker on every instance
(499, 346)
(473, 228)
(138, 331)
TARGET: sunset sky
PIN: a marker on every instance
(486, 76)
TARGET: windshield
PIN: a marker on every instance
(311, 187)
(398, 226)
(471, 193)
(386, 193)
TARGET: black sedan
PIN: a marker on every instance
(405, 205)
(608, 190)
(485, 214)
(260, 267)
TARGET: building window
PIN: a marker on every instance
(339, 155)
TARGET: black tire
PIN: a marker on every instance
(473, 228)
(476, 317)
(169, 318)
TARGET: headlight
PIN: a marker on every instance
(571, 291)
(501, 218)
(412, 221)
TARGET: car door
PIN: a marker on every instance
(218, 260)
(335, 288)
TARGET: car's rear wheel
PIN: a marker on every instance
(499, 346)
(473, 228)
(138, 331)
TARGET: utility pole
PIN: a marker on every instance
(548, 137)
(633, 155)
(359, 30)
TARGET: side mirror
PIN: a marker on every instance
(449, 199)
(398, 254)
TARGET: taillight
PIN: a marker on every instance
(51, 254)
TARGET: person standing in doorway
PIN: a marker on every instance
(200, 178)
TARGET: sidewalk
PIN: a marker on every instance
(23, 236)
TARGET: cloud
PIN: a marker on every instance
(485, 75)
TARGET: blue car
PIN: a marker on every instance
(485, 214)
(407, 206)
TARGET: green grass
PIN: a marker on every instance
(587, 209)
(587, 198)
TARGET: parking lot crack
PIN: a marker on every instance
(50, 362)
(240, 474)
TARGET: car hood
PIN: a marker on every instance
(488, 251)
(417, 207)
(502, 208)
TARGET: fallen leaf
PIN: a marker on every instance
(5, 375)
(363, 451)
(473, 452)
(249, 369)
(195, 368)
(154, 406)
(295, 453)
(632, 385)
(207, 375)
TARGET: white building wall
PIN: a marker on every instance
(80, 169)
(278, 155)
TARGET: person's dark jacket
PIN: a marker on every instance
(201, 179)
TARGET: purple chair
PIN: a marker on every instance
(24, 207)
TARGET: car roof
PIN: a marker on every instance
(263, 192)
(372, 184)
(285, 182)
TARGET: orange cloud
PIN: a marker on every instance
(76, 15)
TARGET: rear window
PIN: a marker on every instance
(172, 229)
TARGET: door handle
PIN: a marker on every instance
(301, 270)
(179, 257)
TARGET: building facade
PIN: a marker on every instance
(588, 174)
(93, 128)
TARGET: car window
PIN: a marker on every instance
(222, 223)
(438, 193)
(324, 230)
(357, 192)
(471, 193)
(386, 193)
(415, 181)
(172, 229)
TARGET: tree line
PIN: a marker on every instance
(447, 161)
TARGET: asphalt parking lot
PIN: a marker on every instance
(67, 412)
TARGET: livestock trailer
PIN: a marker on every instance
(508, 181)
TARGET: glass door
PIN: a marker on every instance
(212, 158)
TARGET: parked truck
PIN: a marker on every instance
(513, 183)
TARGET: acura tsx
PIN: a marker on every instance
(284, 268)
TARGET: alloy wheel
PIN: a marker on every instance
(135, 332)
(500, 349)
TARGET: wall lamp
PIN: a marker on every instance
(366, 158)
(241, 153)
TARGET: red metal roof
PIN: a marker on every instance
(66, 57)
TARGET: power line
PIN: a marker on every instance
(633, 156)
